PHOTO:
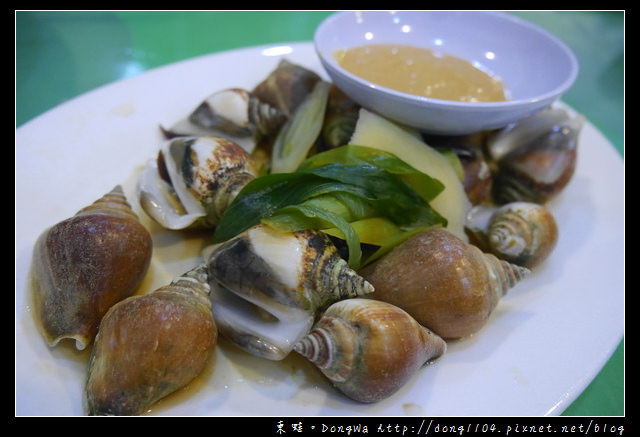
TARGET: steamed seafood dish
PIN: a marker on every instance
(329, 233)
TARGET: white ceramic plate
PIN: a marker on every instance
(547, 340)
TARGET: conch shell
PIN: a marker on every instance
(446, 284)
(268, 287)
(369, 349)
(85, 264)
(523, 233)
(150, 346)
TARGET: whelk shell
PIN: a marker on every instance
(268, 287)
(446, 284)
(369, 349)
(150, 346)
(83, 265)
(340, 119)
(536, 157)
(523, 233)
(238, 112)
(286, 86)
(478, 179)
(193, 181)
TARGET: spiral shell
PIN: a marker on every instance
(83, 265)
(369, 349)
(340, 119)
(237, 112)
(268, 287)
(446, 284)
(477, 177)
(535, 158)
(286, 86)
(150, 346)
(523, 233)
(193, 181)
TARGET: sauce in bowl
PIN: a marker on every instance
(422, 72)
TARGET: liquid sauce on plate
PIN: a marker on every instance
(422, 72)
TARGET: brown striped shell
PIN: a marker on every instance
(286, 86)
(535, 159)
(85, 264)
(446, 284)
(369, 349)
(523, 233)
(150, 346)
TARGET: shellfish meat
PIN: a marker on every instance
(83, 265)
(267, 287)
(369, 349)
(150, 346)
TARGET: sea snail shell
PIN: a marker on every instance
(193, 181)
(523, 233)
(85, 264)
(267, 287)
(150, 346)
(535, 158)
(286, 86)
(237, 112)
(369, 349)
(446, 284)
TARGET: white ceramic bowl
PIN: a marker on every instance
(536, 67)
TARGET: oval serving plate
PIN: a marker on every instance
(547, 340)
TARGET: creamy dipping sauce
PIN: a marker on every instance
(422, 72)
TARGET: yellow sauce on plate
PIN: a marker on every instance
(422, 72)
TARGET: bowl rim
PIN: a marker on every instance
(330, 64)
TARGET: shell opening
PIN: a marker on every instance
(254, 328)
(160, 201)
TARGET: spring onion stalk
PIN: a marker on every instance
(300, 132)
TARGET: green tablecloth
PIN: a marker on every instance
(60, 55)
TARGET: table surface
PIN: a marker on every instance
(61, 55)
